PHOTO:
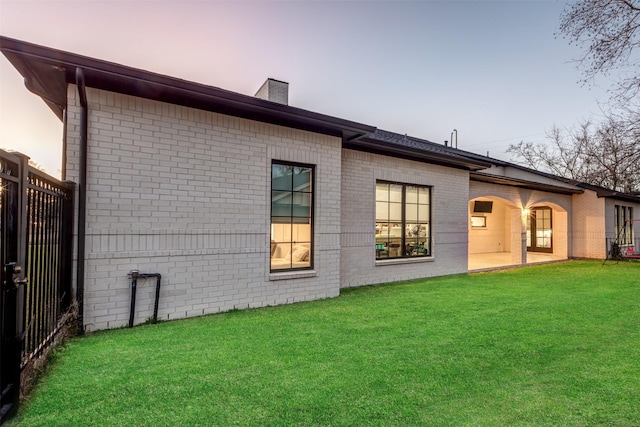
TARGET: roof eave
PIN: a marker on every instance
(395, 150)
(48, 70)
(603, 192)
(520, 183)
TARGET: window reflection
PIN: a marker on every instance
(402, 220)
(291, 216)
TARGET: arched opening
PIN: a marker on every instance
(547, 232)
(504, 233)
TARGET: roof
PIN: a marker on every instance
(521, 183)
(47, 72)
(499, 179)
(394, 144)
(605, 192)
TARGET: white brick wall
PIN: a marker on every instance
(588, 225)
(450, 194)
(593, 219)
(186, 193)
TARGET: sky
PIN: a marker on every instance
(493, 70)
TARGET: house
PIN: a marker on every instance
(241, 202)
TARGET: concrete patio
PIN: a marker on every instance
(491, 261)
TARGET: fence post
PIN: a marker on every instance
(23, 179)
(23, 244)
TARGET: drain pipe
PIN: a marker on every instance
(82, 196)
(134, 276)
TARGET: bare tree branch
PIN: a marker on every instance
(607, 154)
(609, 30)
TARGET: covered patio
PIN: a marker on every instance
(517, 229)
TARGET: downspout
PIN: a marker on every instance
(63, 174)
(82, 197)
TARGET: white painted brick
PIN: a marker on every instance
(186, 193)
(449, 212)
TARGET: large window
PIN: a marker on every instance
(291, 216)
(623, 225)
(403, 220)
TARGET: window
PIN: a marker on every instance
(623, 224)
(291, 216)
(479, 221)
(403, 220)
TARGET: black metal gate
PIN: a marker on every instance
(11, 255)
(36, 220)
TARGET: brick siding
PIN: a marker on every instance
(450, 193)
(186, 193)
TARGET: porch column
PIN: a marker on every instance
(518, 237)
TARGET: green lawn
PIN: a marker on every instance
(547, 345)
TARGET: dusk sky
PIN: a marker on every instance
(493, 70)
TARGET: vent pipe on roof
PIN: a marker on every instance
(275, 91)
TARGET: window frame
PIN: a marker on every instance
(311, 217)
(403, 221)
(533, 229)
(483, 221)
(623, 230)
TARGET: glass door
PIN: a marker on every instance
(539, 230)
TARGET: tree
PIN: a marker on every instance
(606, 154)
(610, 31)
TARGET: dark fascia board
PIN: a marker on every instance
(395, 150)
(478, 157)
(604, 192)
(520, 183)
(47, 72)
(600, 191)
(503, 163)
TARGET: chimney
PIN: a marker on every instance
(275, 91)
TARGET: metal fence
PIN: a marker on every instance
(36, 220)
(49, 258)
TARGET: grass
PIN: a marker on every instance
(547, 345)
